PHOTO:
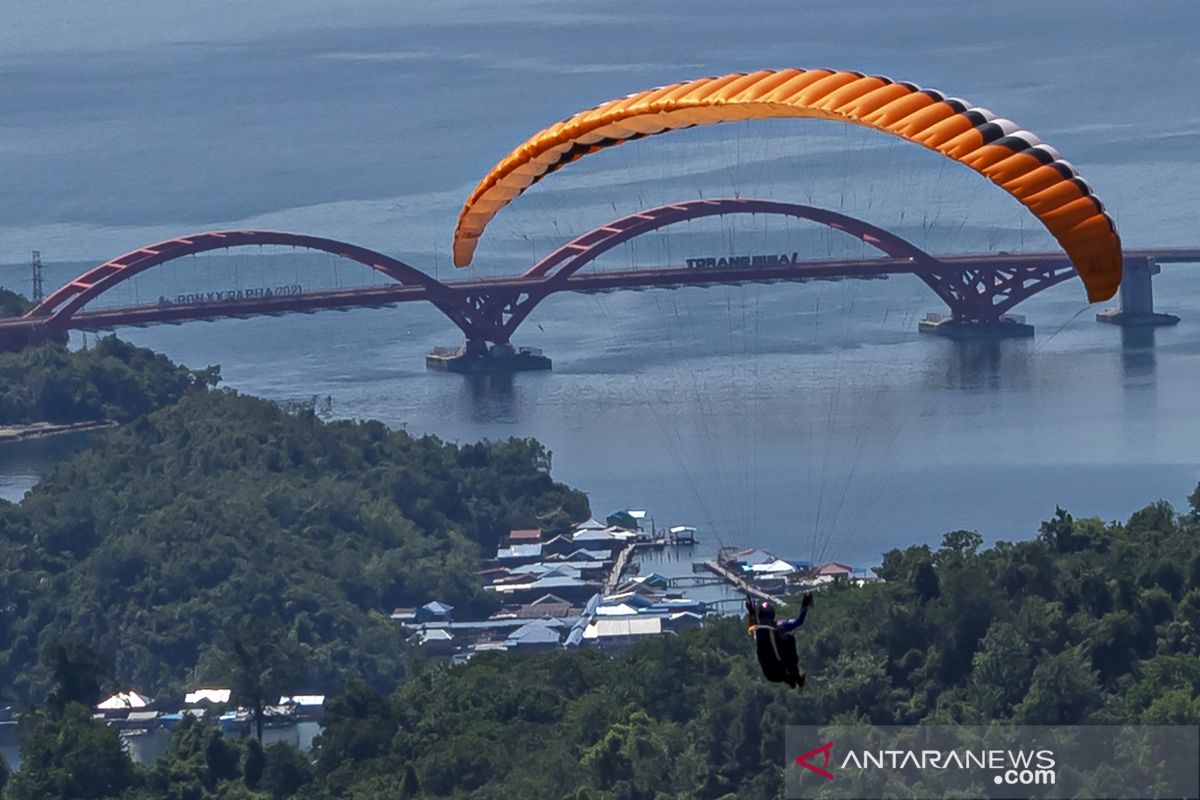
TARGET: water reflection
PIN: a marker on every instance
(22, 463)
(149, 747)
(489, 398)
(1138, 358)
(990, 364)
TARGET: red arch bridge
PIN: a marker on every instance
(979, 290)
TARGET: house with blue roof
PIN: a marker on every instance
(434, 612)
(519, 554)
(558, 546)
(534, 637)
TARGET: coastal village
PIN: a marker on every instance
(585, 589)
(579, 589)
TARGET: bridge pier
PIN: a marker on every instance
(1007, 326)
(1137, 298)
(478, 356)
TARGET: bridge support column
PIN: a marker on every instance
(478, 356)
(1008, 326)
(1137, 298)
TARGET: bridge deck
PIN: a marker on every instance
(378, 296)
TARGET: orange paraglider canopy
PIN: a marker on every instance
(1014, 159)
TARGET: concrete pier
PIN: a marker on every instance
(1137, 298)
(477, 357)
(1008, 326)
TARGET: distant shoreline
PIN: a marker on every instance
(44, 430)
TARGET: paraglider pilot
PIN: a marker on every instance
(774, 642)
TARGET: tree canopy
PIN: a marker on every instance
(113, 380)
(209, 539)
(13, 304)
(147, 543)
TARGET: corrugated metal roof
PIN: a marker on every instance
(498, 624)
(525, 535)
(548, 598)
(556, 581)
(207, 696)
(544, 610)
(592, 535)
(535, 632)
(120, 700)
(618, 610)
(519, 551)
(624, 626)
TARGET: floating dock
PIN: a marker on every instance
(1136, 319)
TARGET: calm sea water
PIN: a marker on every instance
(809, 419)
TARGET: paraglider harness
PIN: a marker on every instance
(775, 645)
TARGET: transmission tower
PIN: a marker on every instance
(37, 276)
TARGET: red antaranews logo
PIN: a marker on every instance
(803, 760)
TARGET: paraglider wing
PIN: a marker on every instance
(1014, 159)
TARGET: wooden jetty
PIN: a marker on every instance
(614, 576)
(741, 583)
(694, 581)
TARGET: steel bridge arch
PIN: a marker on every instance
(575, 254)
(56, 310)
(507, 313)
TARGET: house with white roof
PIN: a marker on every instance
(607, 538)
(123, 701)
(437, 641)
(199, 697)
(609, 632)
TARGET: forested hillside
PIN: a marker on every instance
(222, 516)
(1087, 623)
(165, 533)
(13, 304)
(112, 380)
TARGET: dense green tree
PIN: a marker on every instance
(263, 664)
(1063, 688)
(199, 764)
(70, 756)
(13, 304)
(219, 509)
(286, 771)
(112, 380)
(356, 727)
(150, 541)
(78, 672)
